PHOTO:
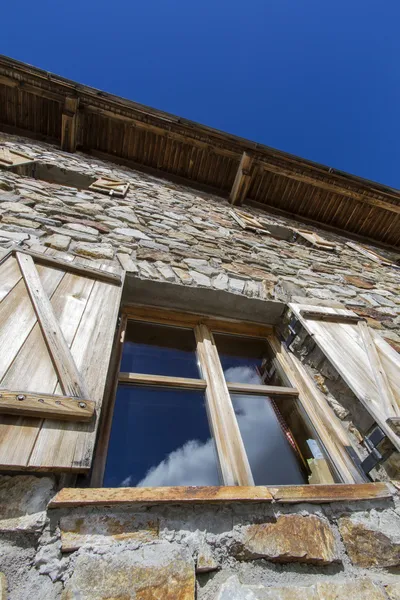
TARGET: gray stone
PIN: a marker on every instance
(131, 233)
(94, 250)
(23, 501)
(221, 281)
(59, 242)
(200, 279)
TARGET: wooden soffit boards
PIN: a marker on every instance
(123, 131)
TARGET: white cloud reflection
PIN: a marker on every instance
(194, 462)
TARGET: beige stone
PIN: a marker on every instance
(3, 587)
(205, 560)
(23, 501)
(362, 589)
(393, 591)
(291, 538)
(94, 250)
(368, 547)
(59, 242)
(154, 572)
(98, 529)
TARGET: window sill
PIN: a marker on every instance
(72, 497)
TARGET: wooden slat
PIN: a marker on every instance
(327, 426)
(265, 390)
(372, 255)
(69, 124)
(330, 493)
(233, 460)
(10, 275)
(72, 267)
(43, 406)
(110, 186)
(184, 319)
(61, 445)
(242, 180)
(163, 380)
(72, 383)
(333, 318)
(381, 379)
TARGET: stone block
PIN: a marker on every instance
(292, 538)
(3, 587)
(393, 591)
(369, 542)
(94, 250)
(160, 571)
(102, 528)
(205, 561)
(362, 589)
(23, 501)
(59, 242)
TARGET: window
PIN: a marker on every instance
(203, 402)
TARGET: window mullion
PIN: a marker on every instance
(232, 455)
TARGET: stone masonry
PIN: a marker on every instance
(167, 232)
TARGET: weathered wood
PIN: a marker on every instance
(233, 459)
(71, 497)
(372, 255)
(330, 493)
(113, 187)
(43, 406)
(333, 437)
(10, 157)
(69, 122)
(316, 240)
(163, 380)
(72, 383)
(248, 222)
(333, 318)
(185, 319)
(242, 180)
(72, 267)
(10, 275)
(264, 390)
(381, 379)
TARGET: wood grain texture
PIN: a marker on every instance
(343, 345)
(73, 497)
(241, 184)
(44, 406)
(71, 381)
(265, 390)
(331, 434)
(163, 380)
(10, 275)
(232, 456)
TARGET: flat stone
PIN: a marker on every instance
(362, 589)
(59, 242)
(183, 275)
(127, 263)
(393, 591)
(94, 250)
(368, 542)
(153, 255)
(20, 221)
(200, 279)
(81, 228)
(16, 207)
(158, 571)
(103, 528)
(166, 272)
(122, 215)
(292, 538)
(359, 282)
(3, 587)
(221, 282)
(23, 501)
(205, 561)
(131, 233)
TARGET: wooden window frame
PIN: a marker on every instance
(234, 466)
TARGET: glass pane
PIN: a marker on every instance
(243, 359)
(159, 350)
(268, 443)
(160, 437)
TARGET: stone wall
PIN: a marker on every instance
(166, 232)
(227, 552)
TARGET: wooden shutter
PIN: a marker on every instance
(57, 324)
(113, 187)
(247, 221)
(368, 364)
(315, 240)
(11, 158)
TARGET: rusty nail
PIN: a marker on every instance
(21, 397)
(82, 404)
(58, 401)
(40, 400)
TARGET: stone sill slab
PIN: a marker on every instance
(71, 497)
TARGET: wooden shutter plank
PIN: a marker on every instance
(44, 406)
(72, 383)
(10, 275)
(344, 347)
(17, 436)
(14, 331)
(68, 446)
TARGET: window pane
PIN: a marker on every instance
(160, 437)
(159, 350)
(271, 455)
(243, 359)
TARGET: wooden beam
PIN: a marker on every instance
(46, 406)
(330, 187)
(333, 318)
(242, 180)
(71, 381)
(163, 380)
(69, 124)
(262, 390)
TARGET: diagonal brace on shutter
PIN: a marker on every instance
(71, 381)
(46, 406)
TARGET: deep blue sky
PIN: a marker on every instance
(317, 78)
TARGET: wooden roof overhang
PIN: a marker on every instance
(38, 104)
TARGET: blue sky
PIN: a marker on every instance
(317, 78)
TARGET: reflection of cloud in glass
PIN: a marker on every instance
(270, 456)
